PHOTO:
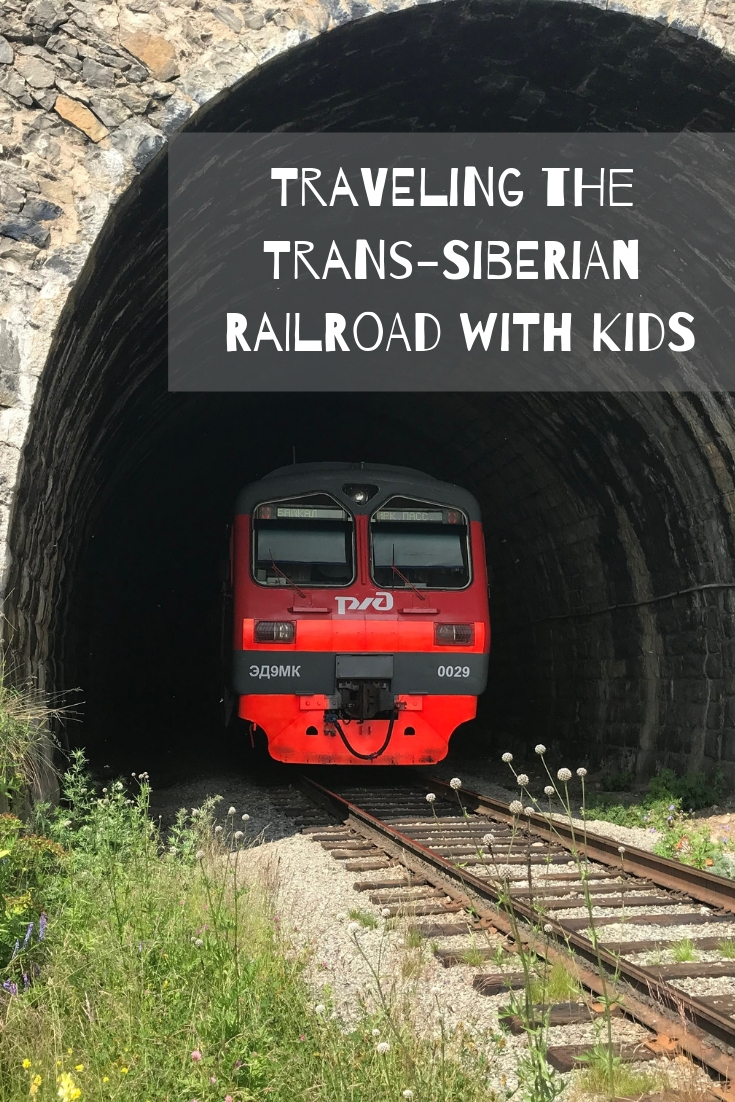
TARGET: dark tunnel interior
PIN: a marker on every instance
(609, 518)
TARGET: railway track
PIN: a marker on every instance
(441, 867)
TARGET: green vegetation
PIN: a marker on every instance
(555, 985)
(684, 950)
(365, 919)
(628, 1081)
(727, 948)
(664, 809)
(162, 975)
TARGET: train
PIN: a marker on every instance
(357, 613)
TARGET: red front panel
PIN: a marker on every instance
(294, 723)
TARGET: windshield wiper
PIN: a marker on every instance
(284, 575)
(403, 577)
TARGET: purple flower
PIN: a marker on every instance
(672, 807)
(26, 981)
(16, 947)
(36, 970)
(27, 938)
(11, 987)
(42, 925)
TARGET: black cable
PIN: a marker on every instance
(355, 753)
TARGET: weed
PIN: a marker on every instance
(413, 964)
(412, 938)
(555, 985)
(365, 919)
(473, 956)
(163, 974)
(727, 948)
(684, 950)
(627, 1081)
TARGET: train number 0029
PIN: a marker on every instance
(453, 671)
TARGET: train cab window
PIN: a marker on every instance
(303, 541)
(417, 544)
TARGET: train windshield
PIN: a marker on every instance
(417, 544)
(307, 541)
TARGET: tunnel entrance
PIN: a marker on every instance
(609, 519)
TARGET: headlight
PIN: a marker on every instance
(275, 631)
(454, 635)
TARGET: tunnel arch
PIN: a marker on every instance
(609, 517)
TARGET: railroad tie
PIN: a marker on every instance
(568, 1057)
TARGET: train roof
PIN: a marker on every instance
(331, 477)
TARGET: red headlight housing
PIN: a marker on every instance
(454, 635)
(275, 631)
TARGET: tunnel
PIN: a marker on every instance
(609, 518)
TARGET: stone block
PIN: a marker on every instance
(22, 229)
(81, 117)
(41, 210)
(96, 75)
(6, 51)
(110, 109)
(35, 72)
(156, 53)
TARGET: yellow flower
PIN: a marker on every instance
(35, 1084)
(79, 1067)
(68, 1090)
(105, 1079)
(26, 1063)
(123, 1071)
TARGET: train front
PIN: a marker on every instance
(361, 628)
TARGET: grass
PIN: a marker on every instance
(412, 939)
(555, 985)
(684, 951)
(629, 1082)
(727, 948)
(163, 976)
(474, 956)
(365, 919)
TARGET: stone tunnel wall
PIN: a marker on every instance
(617, 546)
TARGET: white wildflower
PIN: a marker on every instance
(134, 775)
(408, 1095)
(376, 1033)
(231, 810)
(341, 916)
(564, 775)
(507, 758)
(237, 835)
(172, 850)
(118, 786)
(382, 1047)
(529, 810)
(200, 855)
(144, 776)
(104, 789)
(218, 830)
(198, 942)
(488, 839)
(194, 812)
(385, 912)
(455, 783)
(245, 818)
(353, 927)
(320, 1009)
(621, 849)
(548, 928)
(581, 772)
(549, 790)
(66, 823)
(522, 780)
(540, 749)
(430, 797)
(516, 807)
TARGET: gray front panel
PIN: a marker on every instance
(440, 674)
(375, 667)
(314, 672)
(283, 672)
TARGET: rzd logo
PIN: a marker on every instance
(381, 602)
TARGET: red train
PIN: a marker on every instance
(360, 616)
